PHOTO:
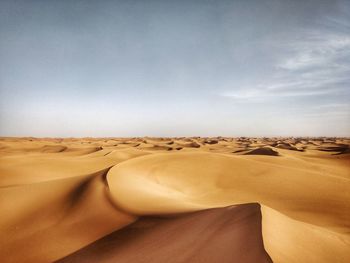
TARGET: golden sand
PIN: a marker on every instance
(57, 196)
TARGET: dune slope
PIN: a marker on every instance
(231, 234)
(307, 201)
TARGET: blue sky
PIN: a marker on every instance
(174, 68)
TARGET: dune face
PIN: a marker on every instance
(109, 199)
(263, 151)
(231, 234)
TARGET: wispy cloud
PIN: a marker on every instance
(263, 94)
(316, 49)
(316, 63)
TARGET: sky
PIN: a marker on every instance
(174, 68)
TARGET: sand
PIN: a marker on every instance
(214, 235)
(175, 199)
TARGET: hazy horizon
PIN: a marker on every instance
(174, 68)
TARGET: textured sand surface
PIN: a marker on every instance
(215, 235)
(103, 200)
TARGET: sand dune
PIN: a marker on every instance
(75, 197)
(230, 234)
(337, 148)
(185, 178)
(43, 221)
(287, 146)
(263, 151)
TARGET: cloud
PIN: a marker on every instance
(316, 49)
(316, 63)
(266, 93)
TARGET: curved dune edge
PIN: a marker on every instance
(74, 212)
(230, 234)
(183, 182)
(51, 207)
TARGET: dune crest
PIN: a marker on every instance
(263, 151)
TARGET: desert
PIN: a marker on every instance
(187, 131)
(175, 199)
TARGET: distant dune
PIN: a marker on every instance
(175, 200)
(263, 151)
